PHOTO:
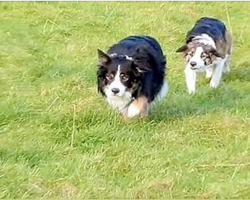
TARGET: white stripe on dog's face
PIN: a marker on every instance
(116, 93)
(196, 62)
(116, 88)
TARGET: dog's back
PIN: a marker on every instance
(131, 44)
(215, 29)
(210, 26)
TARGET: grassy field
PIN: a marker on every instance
(59, 138)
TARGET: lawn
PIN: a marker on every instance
(60, 139)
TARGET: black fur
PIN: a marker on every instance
(210, 26)
(146, 70)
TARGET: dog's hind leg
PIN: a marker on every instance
(229, 50)
(217, 73)
(226, 68)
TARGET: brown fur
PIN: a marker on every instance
(224, 46)
(134, 88)
(142, 104)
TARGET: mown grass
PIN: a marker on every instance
(59, 139)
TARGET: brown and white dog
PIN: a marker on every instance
(207, 49)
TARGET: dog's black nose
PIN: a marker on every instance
(115, 90)
(193, 64)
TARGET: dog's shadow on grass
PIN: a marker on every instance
(178, 106)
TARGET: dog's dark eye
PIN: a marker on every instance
(204, 56)
(124, 77)
(109, 77)
(188, 57)
(208, 61)
(190, 53)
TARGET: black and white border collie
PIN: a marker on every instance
(208, 48)
(131, 75)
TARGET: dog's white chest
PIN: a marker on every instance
(120, 103)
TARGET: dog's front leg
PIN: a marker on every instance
(190, 79)
(139, 106)
(217, 73)
(209, 71)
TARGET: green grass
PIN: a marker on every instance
(59, 138)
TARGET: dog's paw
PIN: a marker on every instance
(209, 75)
(133, 111)
(214, 84)
(226, 69)
(191, 92)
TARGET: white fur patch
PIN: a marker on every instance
(216, 77)
(133, 111)
(112, 54)
(209, 71)
(197, 58)
(116, 84)
(120, 103)
(120, 100)
(206, 40)
(190, 79)
(126, 56)
(163, 92)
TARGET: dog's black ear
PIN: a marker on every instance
(141, 60)
(141, 66)
(103, 57)
(182, 48)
